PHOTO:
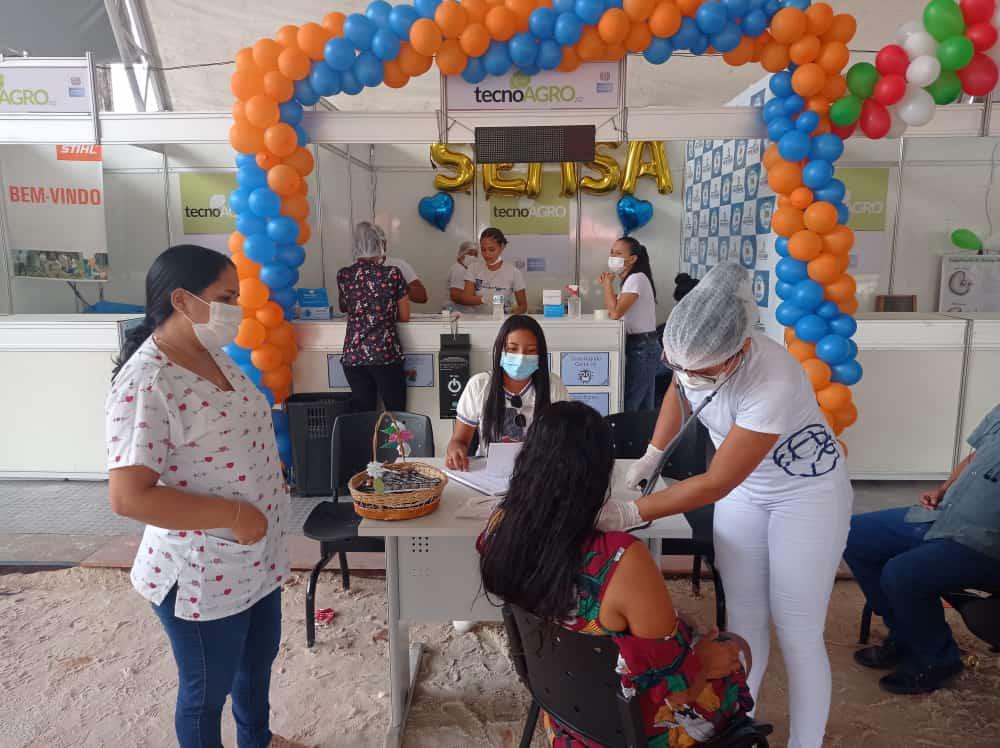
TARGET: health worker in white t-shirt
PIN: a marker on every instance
(493, 277)
(636, 304)
(778, 480)
(468, 256)
(416, 292)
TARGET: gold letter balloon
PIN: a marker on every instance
(656, 167)
(465, 169)
(609, 172)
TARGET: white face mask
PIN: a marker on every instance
(222, 326)
(616, 264)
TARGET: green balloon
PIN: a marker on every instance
(946, 89)
(943, 19)
(955, 52)
(861, 79)
(965, 239)
(845, 111)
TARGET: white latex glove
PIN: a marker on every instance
(618, 515)
(643, 468)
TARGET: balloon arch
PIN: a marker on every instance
(815, 107)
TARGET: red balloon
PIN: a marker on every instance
(982, 35)
(889, 89)
(977, 11)
(843, 132)
(979, 77)
(892, 60)
(875, 120)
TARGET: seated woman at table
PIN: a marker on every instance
(542, 552)
(501, 403)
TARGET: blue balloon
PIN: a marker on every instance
(252, 373)
(794, 145)
(264, 202)
(246, 159)
(426, 8)
(385, 45)
(728, 39)
(811, 328)
(437, 209)
(793, 104)
(284, 297)
(634, 213)
(658, 51)
(854, 349)
(497, 59)
(686, 35)
(291, 112)
(239, 200)
(282, 230)
(808, 294)
(834, 192)
(781, 84)
(843, 214)
(784, 291)
(523, 49)
(781, 246)
(700, 44)
(251, 176)
(268, 395)
(305, 94)
(542, 22)
(832, 348)
(324, 80)
(754, 23)
(791, 270)
(378, 13)
(349, 83)
(339, 54)
(608, 4)
(359, 31)
(807, 122)
(301, 136)
(843, 325)
(401, 18)
(474, 71)
(248, 224)
(773, 108)
(788, 314)
(277, 275)
(711, 17)
(817, 174)
(563, 6)
(568, 29)
(292, 255)
(589, 11)
(368, 68)
(259, 248)
(849, 372)
(284, 443)
(528, 70)
(736, 8)
(771, 7)
(827, 147)
(549, 55)
(237, 353)
(279, 419)
(828, 310)
(800, 4)
(778, 127)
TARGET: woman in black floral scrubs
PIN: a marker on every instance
(374, 296)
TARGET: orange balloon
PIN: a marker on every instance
(276, 379)
(787, 221)
(639, 37)
(819, 372)
(290, 352)
(295, 206)
(819, 104)
(784, 201)
(281, 139)
(303, 188)
(245, 267)
(839, 239)
(522, 10)
(833, 57)
(475, 10)
(665, 20)
(282, 336)
(451, 60)
(790, 335)
(451, 18)
(251, 334)
(281, 395)
(639, 10)
(284, 179)
(802, 198)
(590, 46)
(742, 54)
(265, 54)
(334, 23)
(248, 313)
(302, 161)
(262, 111)
(805, 245)
(312, 38)
(827, 415)
(239, 113)
(843, 446)
(266, 357)
(570, 60)
(412, 62)
(501, 22)
(821, 217)
(836, 85)
(288, 36)
(784, 177)
(824, 269)
(614, 52)
(270, 315)
(245, 60)
(277, 86)
(759, 44)
(805, 49)
(393, 75)
(246, 84)
(687, 7)
(819, 18)
(774, 57)
(305, 233)
(235, 242)
(246, 138)
(808, 79)
(267, 160)
(841, 290)
(848, 307)
(788, 25)
(425, 37)
(842, 28)
(294, 63)
(802, 350)
(253, 293)
(475, 40)
(771, 156)
(835, 396)
(614, 26)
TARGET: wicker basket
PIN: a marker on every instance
(393, 506)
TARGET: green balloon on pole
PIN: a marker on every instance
(861, 79)
(965, 239)
(955, 53)
(845, 110)
(946, 89)
(943, 19)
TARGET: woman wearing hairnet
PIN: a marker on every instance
(778, 475)
(374, 296)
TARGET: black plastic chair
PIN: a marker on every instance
(980, 612)
(335, 523)
(572, 677)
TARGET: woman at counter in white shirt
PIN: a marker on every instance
(468, 254)
(493, 277)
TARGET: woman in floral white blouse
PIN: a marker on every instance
(191, 452)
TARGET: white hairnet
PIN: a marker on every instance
(369, 241)
(711, 323)
(467, 248)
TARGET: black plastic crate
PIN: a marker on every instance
(310, 422)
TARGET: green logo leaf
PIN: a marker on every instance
(519, 80)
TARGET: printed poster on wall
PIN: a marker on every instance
(45, 89)
(867, 195)
(54, 199)
(969, 283)
(599, 401)
(206, 218)
(417, 367)
(585, 369)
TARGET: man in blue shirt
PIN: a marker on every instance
(905, 559)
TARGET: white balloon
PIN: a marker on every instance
(898, 126)
(920, 43)
(917, 107)
(923, 70)
(910, 27)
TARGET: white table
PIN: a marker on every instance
(432, 574)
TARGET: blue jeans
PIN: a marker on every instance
(642, 360)
(903, 577)
(216, 658)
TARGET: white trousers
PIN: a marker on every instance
(778, 560)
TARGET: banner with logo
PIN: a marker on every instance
(867, 195)
(206, 218)
(594, 85)
(54, 198)
(45, 89)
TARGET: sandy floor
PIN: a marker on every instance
(85, 663)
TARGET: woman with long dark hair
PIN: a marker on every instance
(636, 304)
(493, 278)
(543, 553)
(192, 454)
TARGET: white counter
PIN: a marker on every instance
(982, 373)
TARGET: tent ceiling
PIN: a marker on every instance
(57, 28)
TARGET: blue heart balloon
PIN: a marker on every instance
(634, 213)
(437, 209)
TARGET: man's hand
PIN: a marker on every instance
(931, 499)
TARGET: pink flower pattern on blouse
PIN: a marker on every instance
(371, 294)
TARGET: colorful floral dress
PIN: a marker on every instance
(651, 669)
(371, 295)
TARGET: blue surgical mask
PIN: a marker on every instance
(518, 366)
